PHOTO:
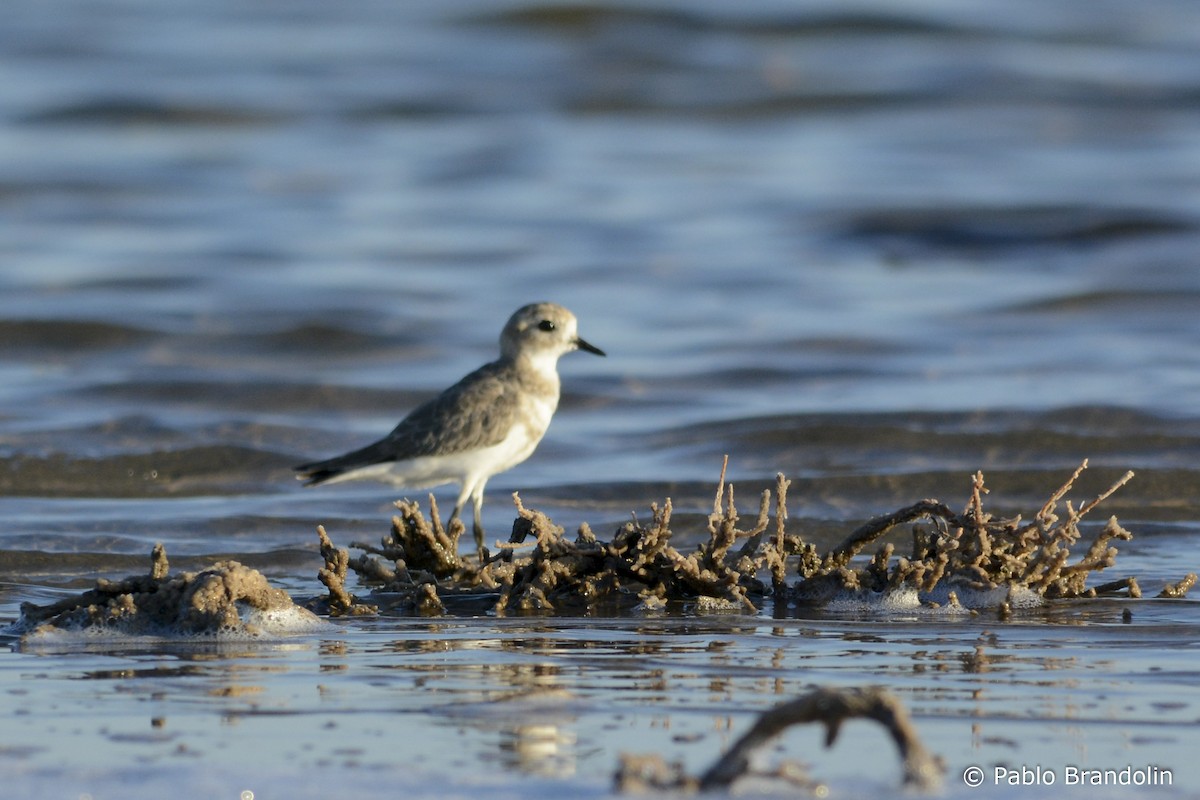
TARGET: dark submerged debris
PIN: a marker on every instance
(637, 774)
(829, 707)
(226, 598)
(958, 560)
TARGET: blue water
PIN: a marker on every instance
(875, 246)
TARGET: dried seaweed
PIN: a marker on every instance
(999, 562)
(333, 575)
(1180, 589)
(829, 707)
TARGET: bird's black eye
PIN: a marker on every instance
(546, 325)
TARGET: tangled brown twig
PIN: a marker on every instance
(993, 560)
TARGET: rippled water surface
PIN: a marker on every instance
(875, 246)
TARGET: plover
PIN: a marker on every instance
(489, 421)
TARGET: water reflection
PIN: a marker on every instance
(555, 697)
(546, 749)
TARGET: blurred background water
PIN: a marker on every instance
(873, 245)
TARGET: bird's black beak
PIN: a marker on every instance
(591, 348)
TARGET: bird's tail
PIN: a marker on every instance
(333, 468)
(318, 472)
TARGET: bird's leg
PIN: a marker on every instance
(477, 498)
(459, 503)
(479, 548)
(474, 491)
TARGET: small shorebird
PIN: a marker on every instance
(489, 421)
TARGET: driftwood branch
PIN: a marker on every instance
(828, 707)
(831, 707)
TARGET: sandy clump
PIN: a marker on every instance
(228, 600)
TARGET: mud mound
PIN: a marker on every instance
(226, 600)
